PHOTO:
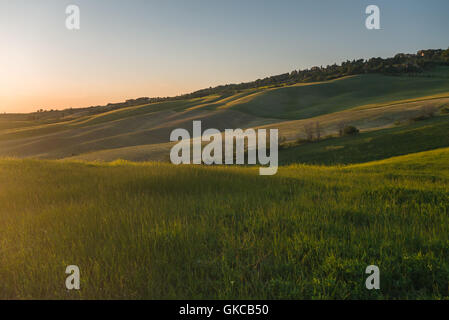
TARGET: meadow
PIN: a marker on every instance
(311, 100)
(153, 230)
(141, 133)
(398, 140)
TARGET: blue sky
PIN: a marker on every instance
(128, 49)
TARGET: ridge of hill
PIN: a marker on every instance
(140, 133)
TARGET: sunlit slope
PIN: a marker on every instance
(146, 136)
(157, 231)
(139, 133)
(17, 130)
(62, 140)
(382, 138)
(311, 100)
(365, 118)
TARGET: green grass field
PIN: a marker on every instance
(306, 101)
(375, 145)
(152, 230)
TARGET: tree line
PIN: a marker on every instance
(399, 64)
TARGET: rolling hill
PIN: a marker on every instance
(147, 229)
(141, 133)
(311, 100)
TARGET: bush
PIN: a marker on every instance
(421, 118)
(350, 131)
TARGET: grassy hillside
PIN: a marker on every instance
(157, 231)
(311, 100)
(141, 133)
(420, 136)
(17, 130)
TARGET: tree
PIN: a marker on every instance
(308, 130)
(317, 131)
(341, 128)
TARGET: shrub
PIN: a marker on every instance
(421, 117)
(350, 131)
(445, 109)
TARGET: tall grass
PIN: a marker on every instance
(152, 230)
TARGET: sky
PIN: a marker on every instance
(143, 48)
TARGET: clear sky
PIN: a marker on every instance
(132, 48)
